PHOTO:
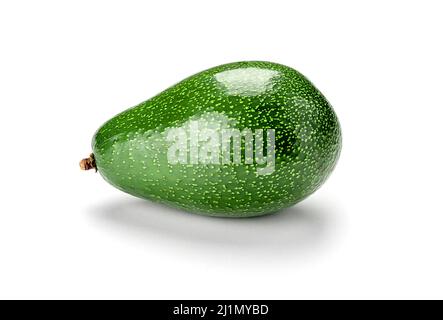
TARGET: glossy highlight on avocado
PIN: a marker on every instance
(238, 140)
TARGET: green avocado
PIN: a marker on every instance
(238, 140)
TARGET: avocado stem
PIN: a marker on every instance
(88, 163)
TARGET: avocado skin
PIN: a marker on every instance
(131, 148)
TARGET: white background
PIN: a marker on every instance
(374, 230)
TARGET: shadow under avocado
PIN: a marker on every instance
(302, 226)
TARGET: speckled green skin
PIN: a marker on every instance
(131, 148)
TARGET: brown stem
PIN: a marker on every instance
(88, 163)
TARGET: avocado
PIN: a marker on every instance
(238, 140)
